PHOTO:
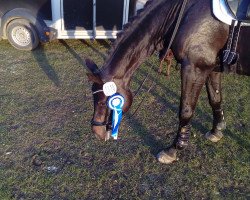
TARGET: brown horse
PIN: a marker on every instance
(169, 61)
(197, 46)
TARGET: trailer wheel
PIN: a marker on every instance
(22, 35)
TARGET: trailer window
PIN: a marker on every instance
(78, 14)
(109, 14)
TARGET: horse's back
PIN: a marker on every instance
(201, 36)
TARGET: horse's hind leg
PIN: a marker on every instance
(193, 79)
(213, 85)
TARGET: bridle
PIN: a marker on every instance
(107, 123)
(95, 123)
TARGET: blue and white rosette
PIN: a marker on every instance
(115, 103)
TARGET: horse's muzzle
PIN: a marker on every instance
(102, 130)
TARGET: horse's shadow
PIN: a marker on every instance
(243, 143)
(148, 138)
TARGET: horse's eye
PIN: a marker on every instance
(101, 103)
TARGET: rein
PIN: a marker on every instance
(109, 122)
(164, 55)
(184, 3)
(105, 123)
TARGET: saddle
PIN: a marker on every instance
(225, 11)
(233, 6)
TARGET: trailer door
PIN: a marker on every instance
(78, 14)
(109, 17)
(89, 18)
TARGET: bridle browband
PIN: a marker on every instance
(97, 91)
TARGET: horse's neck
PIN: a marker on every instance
(127, 59)
(140, 40)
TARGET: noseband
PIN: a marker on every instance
(95, 123)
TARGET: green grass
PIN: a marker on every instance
(45, 109)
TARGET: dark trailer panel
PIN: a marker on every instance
(78, 14)
(109, 14)
(25, 23)
(92, 18)
(43, 7)
(22, 22)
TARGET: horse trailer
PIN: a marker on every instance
(26, 23)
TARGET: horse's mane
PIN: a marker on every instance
(128, 28)
(155, 19)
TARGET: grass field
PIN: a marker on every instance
(47, 150)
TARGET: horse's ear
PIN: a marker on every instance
(93, 75)
(94, 78)
(91, 66)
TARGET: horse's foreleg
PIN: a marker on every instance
(193, 79)
(213, 85)
(169, 64)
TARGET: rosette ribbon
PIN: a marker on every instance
(115, 103)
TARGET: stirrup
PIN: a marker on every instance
(232, 55)
(232, 58)
(229, 41)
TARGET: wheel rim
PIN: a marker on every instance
(21, 36)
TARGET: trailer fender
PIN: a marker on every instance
(24, 13)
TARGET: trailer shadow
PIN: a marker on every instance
(73, 53)
(104, 43)
(41, 58)
(94, 49)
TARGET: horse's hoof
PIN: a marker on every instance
(167, 157)
(214, 137)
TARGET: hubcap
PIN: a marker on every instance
(21, 36)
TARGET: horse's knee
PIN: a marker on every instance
(186, 113)
(215, 98)
(214, 91)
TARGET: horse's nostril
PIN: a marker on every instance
(102, 103)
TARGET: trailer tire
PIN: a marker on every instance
(22, 34)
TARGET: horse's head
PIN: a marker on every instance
(101, 121)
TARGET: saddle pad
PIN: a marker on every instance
(223, 13)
